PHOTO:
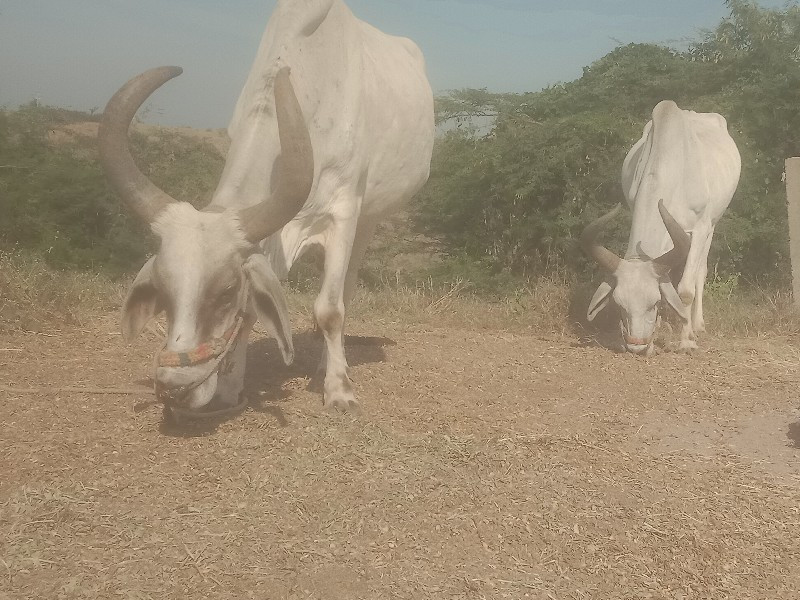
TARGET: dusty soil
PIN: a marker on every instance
(487, 464)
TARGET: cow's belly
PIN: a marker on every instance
(391, 191)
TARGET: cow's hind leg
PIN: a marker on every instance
(364, 233)
(329, 314)
(698, 322)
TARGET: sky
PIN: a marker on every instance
(76, 53)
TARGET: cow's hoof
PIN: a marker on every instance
(339, 397)
(687, 347)
(342, 404)
(341, 400)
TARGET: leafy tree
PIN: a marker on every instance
(519, 196)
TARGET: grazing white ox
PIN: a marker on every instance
(361, 100)
(678, 178)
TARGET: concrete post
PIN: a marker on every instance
(793, 200)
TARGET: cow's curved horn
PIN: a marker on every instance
(682, 241)
(136, 189)
(295, 168)
(641, 253)
(604, 257)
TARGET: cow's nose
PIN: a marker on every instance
(171, 391)
(183, 388)
(179, 377)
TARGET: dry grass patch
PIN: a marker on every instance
(752, 313)
(34, 297)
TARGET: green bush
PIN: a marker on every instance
(55, 200)
(518, 197)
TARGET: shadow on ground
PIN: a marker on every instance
(794, 435)
(266, 376)
(603, 332)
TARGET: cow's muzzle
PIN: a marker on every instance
(634, 341)
(635, 345)
(180, 376)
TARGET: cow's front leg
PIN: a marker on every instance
(688, 339)
(364, 232)
(329, 314)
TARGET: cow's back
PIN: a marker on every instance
(364, 93)
(689, 160)
(398, 141)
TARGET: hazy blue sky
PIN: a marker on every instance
(76, 53)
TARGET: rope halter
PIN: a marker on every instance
(204, 352)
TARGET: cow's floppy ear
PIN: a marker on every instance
(599, 300)
(671, 297)
(141, 304)
(270, 303)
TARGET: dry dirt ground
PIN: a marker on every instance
(486, 464)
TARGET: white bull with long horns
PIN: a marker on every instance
(678, 180)
(316, 158)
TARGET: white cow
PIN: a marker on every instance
(678, 178)
(362, 101)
